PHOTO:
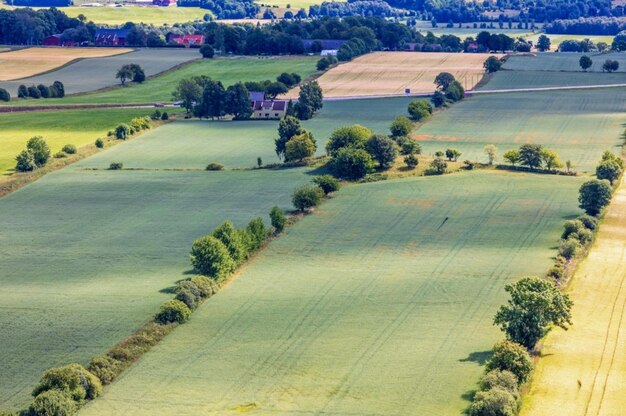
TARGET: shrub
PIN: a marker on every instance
(350, 163)
(258, 233)
(40, 150)
(453, 154)
(72, 379)
(122, 132)
(25, 161)
(99, 143)
(502, 379)
(556, 272)
(591, 223)
(34, 92)
(511, 356)
(105, 368)
(207, 51)
(214, 166)
(156, 115)
(495, 402)
(411, 161)
(438, 99)
(173, 311)
(43, 91)
(420, 109)
(70, 149)
(401, 126)
(207, 287)
(594, 195)
(22, 91)
(140, 123)
(609, 170)
(60, 88)
(349, 136)
(53, 403)
(327, 183)
(307, 196)
(165, 116)
(383, 149)
(409, 147)
(437, 167)
(571, 227)
(116, 166)
(60, 155)
(570, 247)
(210, 257)
(300, 147)
(232, 240)
(4, 95)
(278, 219)
(189, 293)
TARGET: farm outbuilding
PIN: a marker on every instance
(187, 40)
(52, 40)
(111, 37)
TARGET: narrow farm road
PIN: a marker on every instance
(583, 370)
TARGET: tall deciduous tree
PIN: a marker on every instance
(594, 195)
(288, 127)
(189, 92)
(238, 101)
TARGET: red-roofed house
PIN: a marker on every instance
(187, 40)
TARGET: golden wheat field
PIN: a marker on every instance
(583, 370)
(389, 73)
(28, 62)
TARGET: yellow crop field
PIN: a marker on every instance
(138, 14)
(583, 371)
(389, 73)
(24, 63)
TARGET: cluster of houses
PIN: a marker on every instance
(117, 37)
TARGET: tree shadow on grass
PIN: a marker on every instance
(479, 357)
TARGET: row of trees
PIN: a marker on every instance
(604, 26)
(535, 156)
(56, 90)
(24, 26)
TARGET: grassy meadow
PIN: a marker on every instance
(149, 15)
(579, 125)
(160, 88)
(370, 306)
(58, 128)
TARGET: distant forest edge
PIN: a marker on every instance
(439, 11)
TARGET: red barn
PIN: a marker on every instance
(52, 40)
(187, 40)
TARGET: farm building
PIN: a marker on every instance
(164, 3)
(187, 40)
(318, 45)
(266, 109)
(329, 52)
(55, 40)
(111, 37)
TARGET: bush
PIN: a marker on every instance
(99, 143)
(60, 155)
(383, 149)
(70, 149)
(116, 166)
(570, 247)
(349, 136)
(350, 163)
(122, 132)
(511, 356)
(140, 123)
(495, 402)
(411, 162)
(300, 147)
(210, 257)
(307, 196)
(258, 233)
(408, 146)
(165, 116)
(53, 403)
(591, 223)
(278, 219)
(25, 161)
(438, 99)
(401, 126)
(327, 183)
(34, 92)
(156, 115)
(60, 88)
(502, 379)
(105, 368)
(173, 311)
(207, 51)
(232, 240)
(4, 95)
(40, 150)
(189, 293)
(420, 109)
(214, 166)
(571, 227)
(609, 170)
(72, 379)
(437, 167)
(556, 272)
(22, 91)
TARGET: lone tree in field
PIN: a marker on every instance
(530, 155)
(492, 64)
(594, 195)
(124, 73)
(491, 151)
(543, 43)
(535, 306)
(610, 66)
(585, 62)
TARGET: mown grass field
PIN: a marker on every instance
(149, 15)
(387, 73)
(579, 125)
(193, 144)
(583, 371)
(25, 63)
(370, 306)
(562, 61)
(92, 74)
(295, 5)
(58, 128)
(160, 89)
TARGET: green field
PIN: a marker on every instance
(370, 306)
(237, 144)
(58, 128)
(294, 5)
(561, 61)
(159, 89)
(148, 15)
(579, 125)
